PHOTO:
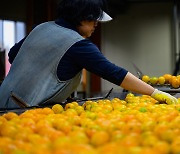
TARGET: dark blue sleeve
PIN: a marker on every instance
(14, 50)
(87, 55)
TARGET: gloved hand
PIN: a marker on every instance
(164, 97)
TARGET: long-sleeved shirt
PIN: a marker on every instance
(83, 54)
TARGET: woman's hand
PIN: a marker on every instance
(164, 97)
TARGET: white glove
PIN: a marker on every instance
(164, 97)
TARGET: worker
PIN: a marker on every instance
(47, 64)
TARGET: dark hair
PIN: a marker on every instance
(75, 11)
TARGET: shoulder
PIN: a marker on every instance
(84, 49)
(85, 45)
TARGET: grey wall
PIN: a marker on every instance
(142, 35)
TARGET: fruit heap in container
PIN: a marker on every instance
(135, 125)
(166, 79)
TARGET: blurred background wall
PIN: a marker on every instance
(143, 35)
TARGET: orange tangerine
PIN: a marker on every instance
(81, 149)
(175, 83)
(145, 78)
(8, 130)
(70, 106)
(78, 137)
(2, 120)
(99, 138)
(167, 77)
(172, 78)
(75, 104)
(162, 147)
(112, 147)
(47, 111)
(10, 115)
(57, 108)
(178, 77)
(161, 80)
(175, 145)
(153, 80)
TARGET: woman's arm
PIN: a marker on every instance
(132, 83)
(136, 85)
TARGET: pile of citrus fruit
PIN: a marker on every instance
(166, 79)
(136, 125)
